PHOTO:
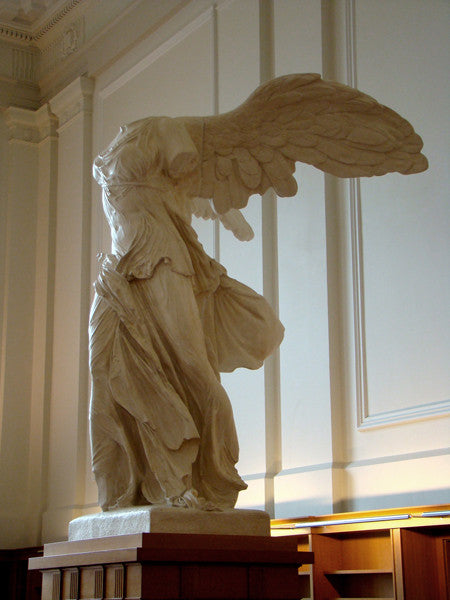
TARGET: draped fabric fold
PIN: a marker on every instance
(166, 319)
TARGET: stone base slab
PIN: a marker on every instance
(162, 519)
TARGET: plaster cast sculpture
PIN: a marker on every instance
(166, 318)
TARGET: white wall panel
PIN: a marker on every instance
(418, 479)
(406, 220)
(397, 389)
(238, 51)
(303, 311)
(245, 387)
(243, 260)
(305, 483)
(174, 81)
(298, 36)
(237, 77)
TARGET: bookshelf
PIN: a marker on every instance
(398, 554)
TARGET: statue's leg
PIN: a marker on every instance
(175, 310)
(114, 460)
(107, 456)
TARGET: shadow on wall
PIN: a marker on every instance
(419, 498)
(299, 508)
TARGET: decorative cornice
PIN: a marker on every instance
(30, 36)
(55, 19)
(15, 35)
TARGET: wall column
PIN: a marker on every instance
(26, 289)
(68, 439)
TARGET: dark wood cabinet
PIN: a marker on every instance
(17, 583)
(397, 554)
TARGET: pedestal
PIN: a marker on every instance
(166, 519)
(172, 566)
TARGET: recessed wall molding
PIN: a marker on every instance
(365, 419)
(412, 413)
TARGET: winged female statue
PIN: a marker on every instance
(166, 318)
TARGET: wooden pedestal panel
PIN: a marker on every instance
(173, 567)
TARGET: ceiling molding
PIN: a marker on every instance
(80, 37)
(13, 34)
(36, 31)
(57, 17)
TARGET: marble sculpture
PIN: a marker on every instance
(166, 318)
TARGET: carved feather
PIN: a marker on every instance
(336, 128)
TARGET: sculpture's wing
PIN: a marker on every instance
(298, 118)
(233, 219)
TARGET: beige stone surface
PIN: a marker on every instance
(166, 318)
(157, 519)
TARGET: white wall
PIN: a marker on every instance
(396, 435)
(360, 391)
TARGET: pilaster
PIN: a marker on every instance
(69, 389)
(24, 298)
(43, 312)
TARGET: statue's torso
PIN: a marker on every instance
(145, 231)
